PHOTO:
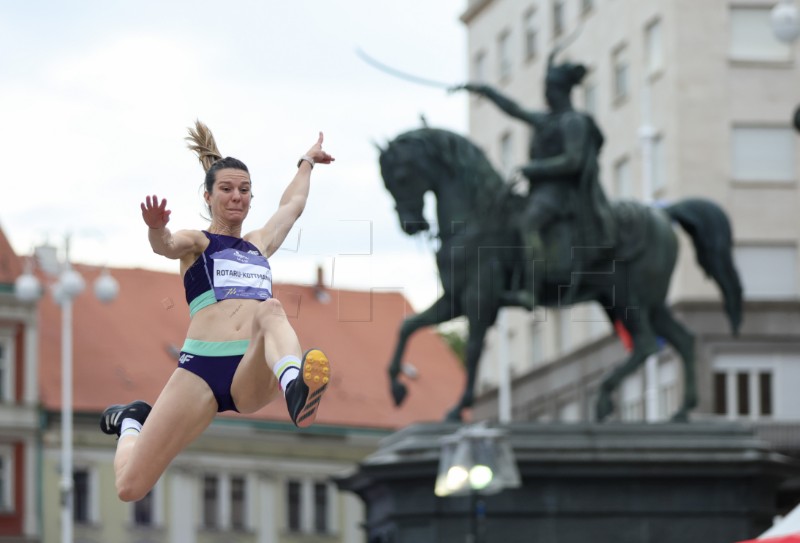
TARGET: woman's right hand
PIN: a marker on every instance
(155, 215)
(317, 154)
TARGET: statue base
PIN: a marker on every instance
(618, 482)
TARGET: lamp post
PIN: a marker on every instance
(785, 20)
(647, 137)
(476, 460)
(68, 286)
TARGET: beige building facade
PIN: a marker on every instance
(694, 98)
(243, 480)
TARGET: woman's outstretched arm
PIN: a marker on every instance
(269, 237)
(164, 242)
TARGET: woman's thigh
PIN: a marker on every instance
(183, 410)
(254, 384)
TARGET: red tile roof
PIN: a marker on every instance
(122, 350)
(10, 263)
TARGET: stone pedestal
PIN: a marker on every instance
(620, 483)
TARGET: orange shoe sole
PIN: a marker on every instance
(316, 372)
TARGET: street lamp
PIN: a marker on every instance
(785, 20)
(69, 284)
(476, 460)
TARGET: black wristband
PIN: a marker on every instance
(307, 159)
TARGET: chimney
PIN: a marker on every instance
(47, 257)
(320, 293)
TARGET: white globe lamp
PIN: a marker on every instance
(27, 288)
(785, 19)
(106, 287)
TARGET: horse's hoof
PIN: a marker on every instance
(680, 416)
(399, 392)
(605, 406)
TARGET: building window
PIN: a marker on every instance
(720, 393)
(743, 393)
(238, 503)
(143, 514)
(564, 330)
(765, 393)
(768, 272)
(667, 389)
(659, 165)
(653, 47)
(559, 18)
(293, 505)
(6, 479)
(530, 35)
(623, 183)
(224, 502)
(765, 153)
(536, 341)
(504, 56)
(210, 501)
(81, 512)
(3, 369)
(506, 153)
(85, 496)
(321, 508)
(744, 385)
(479, 67)
(569, 412)
(632, 398)
(6, 368)
(147, 512)
(619, 62)
(752, 38)
(309, 506)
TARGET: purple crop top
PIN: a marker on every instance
(230, 267)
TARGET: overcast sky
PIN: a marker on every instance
(96, 97)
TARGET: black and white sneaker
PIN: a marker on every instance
(305, 392)
(112, 417)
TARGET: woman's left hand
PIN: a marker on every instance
(316, 152)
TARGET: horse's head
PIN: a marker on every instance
(401, 171)
(446, 163)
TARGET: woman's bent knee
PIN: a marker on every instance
(269, 311)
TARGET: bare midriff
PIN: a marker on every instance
(226, 320)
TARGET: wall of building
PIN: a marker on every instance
(265, 459)
(707, 81)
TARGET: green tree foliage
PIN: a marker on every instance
(457, 342)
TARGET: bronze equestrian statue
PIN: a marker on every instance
(564, 243)
(566, 207)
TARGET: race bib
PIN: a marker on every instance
(238, 274)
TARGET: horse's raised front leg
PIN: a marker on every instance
(440, 311)
(644, 344)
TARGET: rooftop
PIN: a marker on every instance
(127, 349)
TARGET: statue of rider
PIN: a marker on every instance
(567, 220)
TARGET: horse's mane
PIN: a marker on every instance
(435, 148)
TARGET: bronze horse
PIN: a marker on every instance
(481, 260)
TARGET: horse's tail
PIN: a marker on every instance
(710, 230)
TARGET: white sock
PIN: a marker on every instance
(130, 427)
(286, 370)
